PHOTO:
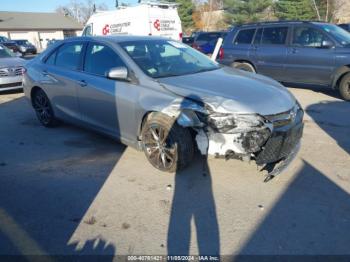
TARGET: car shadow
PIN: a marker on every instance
(193, 200)
(333, 118)
(312, 217)
(48, 179)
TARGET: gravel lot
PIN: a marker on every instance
(69, 191)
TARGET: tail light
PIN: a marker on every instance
(180, 36)
(221, 53)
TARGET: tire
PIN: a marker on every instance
(177, 150)
(344, 87)
(43, 109)
(244, 66)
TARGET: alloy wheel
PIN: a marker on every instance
(159, 147)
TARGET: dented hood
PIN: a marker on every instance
(228, 90)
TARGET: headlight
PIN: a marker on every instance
(232, 123)
(23, 48)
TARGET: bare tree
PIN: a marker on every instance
(80, 10)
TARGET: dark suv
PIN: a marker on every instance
(294, 52)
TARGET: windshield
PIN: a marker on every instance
(163, 58)
(338, 33)
(5, 52)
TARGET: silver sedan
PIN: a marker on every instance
(165, 98)
(11, 70)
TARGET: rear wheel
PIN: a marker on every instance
(344, 87)
(43, 109)
(244, 66)
(167, 146)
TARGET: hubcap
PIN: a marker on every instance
(42, 107)
(159, 148)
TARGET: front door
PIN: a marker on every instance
(309, 61)
(106, 104)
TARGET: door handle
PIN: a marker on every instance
(82, 83)
(45, 73)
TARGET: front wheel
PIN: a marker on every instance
(43, 109)
(167, 146)
(344, 87)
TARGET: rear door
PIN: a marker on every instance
(309, 61)
(59, 78)
(270, 51)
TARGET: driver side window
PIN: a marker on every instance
(308, 37)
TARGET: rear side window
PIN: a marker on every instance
(244, 36)
(100, 59)
(68, 56)
(274, 35)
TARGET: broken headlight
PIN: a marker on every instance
(232, 123)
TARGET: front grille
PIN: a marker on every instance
(11, 71)
(280, 145)
(11, 85)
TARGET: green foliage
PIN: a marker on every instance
(295, 10)
(185, 10)
(243, 11)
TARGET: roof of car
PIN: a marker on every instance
(281, 22)
(117, 38)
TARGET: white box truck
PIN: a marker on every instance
(145, 18)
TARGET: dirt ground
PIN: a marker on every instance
(67, 190)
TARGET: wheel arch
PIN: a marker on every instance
(33, 91)
(338, 75)
(245, 61)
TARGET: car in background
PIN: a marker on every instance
(345, 27)
(25, 47)
(293, 52)
(205, 42)
(165, 98)
(188, 40)
(9, 44)
(11, 70)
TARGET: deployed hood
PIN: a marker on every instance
(11, 62)
(229, 90)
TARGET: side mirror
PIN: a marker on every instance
(118, 73)
(327, 44)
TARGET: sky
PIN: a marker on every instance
(47, 5)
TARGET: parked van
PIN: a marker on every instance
(148, 18)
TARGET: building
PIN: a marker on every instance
(37, 28)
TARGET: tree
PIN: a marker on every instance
(243, 11)
(305, 9)
(80, 10)
(295, 10)
(186, 9)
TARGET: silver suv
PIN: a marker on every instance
(164, 98)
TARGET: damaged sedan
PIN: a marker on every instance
(167, 99)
